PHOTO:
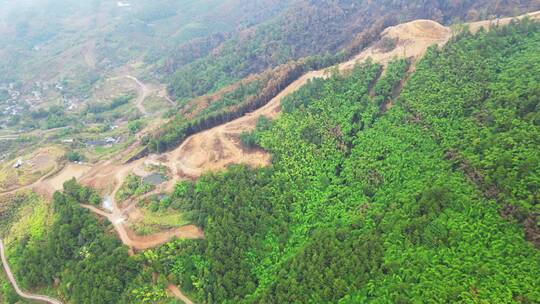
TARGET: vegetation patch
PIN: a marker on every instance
(132, 187)
(35, 216)
(26, 169)
(151, 221)
(10, 206)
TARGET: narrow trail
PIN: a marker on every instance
(175, 291)
(51, 173)
(165, 95)
(22, 294)
(143, 93)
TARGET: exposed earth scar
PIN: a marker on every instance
(143, 93)
(217, 148)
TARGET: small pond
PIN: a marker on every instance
(154, 179)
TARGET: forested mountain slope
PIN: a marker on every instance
(310, 35)
(387, 185)
(433, 200)
(314, 28)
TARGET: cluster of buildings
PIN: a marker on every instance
(106, 142)
(71, 103)
(10, 88)
(11, 104)
(12, 109)
(14, 101)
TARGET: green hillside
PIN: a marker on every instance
(310, 28)
(417, 181)
(432, 201)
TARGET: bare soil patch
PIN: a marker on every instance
(70, 171)
(219, 147)
(486, 24)
(412, 40)
(142, 242)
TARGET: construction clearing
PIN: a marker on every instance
(219, 147)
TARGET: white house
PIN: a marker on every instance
(18, 164)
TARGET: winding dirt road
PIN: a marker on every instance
(216, 148)
(141, 242)
(118, 216)
(143, 93)
(21, 293)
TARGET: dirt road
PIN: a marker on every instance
(138, 242)
(36, 133)
(143, 93)
(166, 96)
(33, 185)
(109, 177)
(21, 293)
(175, 291)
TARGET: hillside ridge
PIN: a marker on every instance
(219, 147)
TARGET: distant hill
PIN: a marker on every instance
(310, 28)
(85, 38)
